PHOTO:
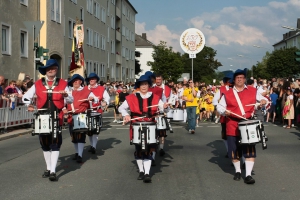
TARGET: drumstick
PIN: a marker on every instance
(233, 113)
(56, 92)
(254, 104)
(85, 99)
(157, 105)
(134, 119)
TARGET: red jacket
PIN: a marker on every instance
(98, 92)
(247, 96)
(156, 90)
(134, 106)
(57, 98)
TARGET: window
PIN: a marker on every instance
(24, 44)
(108, 34)
(71, 26)
(124, 9)
(91, 37)
(123, 51)
(97, 15)
(112, 22)
(89, 6)
(103, 41)
(113, 46)
(95, 8)
(87, 36)
(113, 2)
(81, 14)
(24, 2)
(6, 39)
(112, 74)
(95, 39)
(102, 72)
(103, 15)
(55, 10)
(123, 30)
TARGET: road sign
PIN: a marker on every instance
(33, 27)
(192, 41)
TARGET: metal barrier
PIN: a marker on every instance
(16, 117)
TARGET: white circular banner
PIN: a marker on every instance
(192, 41)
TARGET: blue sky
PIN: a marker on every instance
(231, 27)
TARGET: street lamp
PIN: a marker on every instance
(260, 47)
(239, 55)
(291, 28)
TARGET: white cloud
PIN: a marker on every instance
(234, 30)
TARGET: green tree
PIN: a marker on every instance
(166, 62)
(260, 70)
(204, 65)
(281, 63)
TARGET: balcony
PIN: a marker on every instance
(118, 36)
(118, 13)
(118, 59)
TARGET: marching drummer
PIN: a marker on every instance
(233, 105)
(138, 104)
(54, 101)
(104, 99)
(82, 97)
(222, 91)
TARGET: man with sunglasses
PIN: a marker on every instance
(53, 102)
(232, 104)
(189, 95)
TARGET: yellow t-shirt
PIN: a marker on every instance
(198, 107)
(188, 93)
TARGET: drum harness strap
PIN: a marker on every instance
(51, 106)
(241, 107)
(148, 114)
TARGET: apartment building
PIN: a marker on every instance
(290, 39)
(109, 35)
(145, 48)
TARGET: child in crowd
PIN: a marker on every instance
(272, 110)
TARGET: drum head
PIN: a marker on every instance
(248, 123)
(144, 123)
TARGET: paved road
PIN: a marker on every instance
(194, 167)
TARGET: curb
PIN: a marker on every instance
(6, 136)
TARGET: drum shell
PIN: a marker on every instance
(41, 124)
(152, 139)
(178, 115)
(80, 122)
(94, 118)
(170, 114)
(161, 123)
(252, 127)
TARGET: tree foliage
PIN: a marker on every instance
(278, 64)
(166, 62)
(204, 65)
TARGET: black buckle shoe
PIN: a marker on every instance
(93, 150)
(249, 180)
(237, 176)
(75, 156)
(46, 174)
(79, 159)
(161, 152)
(153, 163)
(171, 131)
(147, 178)
(52, 177)
(90, 150)
(141, 176)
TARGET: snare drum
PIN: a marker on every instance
(178, 115)
(94, 122)
(80, 122)
(249, 131)
(43, 124)
(170, 114)
(144, 133)
(161, 123)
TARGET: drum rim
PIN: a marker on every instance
(144, 123)
(252, 122)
